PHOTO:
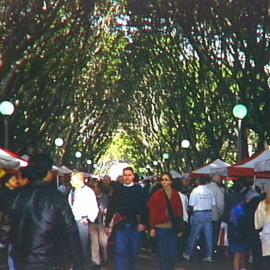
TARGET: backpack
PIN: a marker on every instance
(239, 220)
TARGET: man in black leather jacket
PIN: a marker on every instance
(44, 234)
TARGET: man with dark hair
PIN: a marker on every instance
(42, 223)
(129, 203)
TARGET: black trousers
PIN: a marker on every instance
(256, 249)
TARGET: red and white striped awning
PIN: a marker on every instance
(10, 160)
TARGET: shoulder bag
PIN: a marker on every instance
(177, 223)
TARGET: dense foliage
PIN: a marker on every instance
(162, 71)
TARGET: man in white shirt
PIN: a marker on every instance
(201, 201)
(85, 209)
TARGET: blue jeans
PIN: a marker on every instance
(201, 221)
(11, 264)
(167, 248)
(127, 246)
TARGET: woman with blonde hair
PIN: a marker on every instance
(262, 221)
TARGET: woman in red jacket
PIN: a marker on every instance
(165, 206)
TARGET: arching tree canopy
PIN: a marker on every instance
(161, 71)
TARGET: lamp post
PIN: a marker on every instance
(95, 168)
(155, 163)
(89, 163)
(78, 155)
(165, 157)
(185, 144)
(6, 109)
(240, 112)
(148, 167)
(58, 143)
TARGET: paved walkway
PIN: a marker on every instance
(146, 262)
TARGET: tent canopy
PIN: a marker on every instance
(210, 168)
(10, 160)
(247, 166)
(262, 166)
(62, 170)
(176, 174)
(9, 164)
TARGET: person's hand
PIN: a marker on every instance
(153, 233)
(179, 234)
(140, 227)
(107, 230)
(85, 220)
(223, 225)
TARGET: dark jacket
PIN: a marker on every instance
(44, 231)
(129, 202)
(4, 233)
(231, 200)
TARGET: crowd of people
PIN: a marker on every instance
(72, 226)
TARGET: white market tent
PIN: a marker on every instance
(62, 170)
(117, 169)
(176, 174)
(9, 164)
(10, 160)
(247, 166)
(210, 168)
(262, 166)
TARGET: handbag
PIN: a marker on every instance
(117, 220)
(115, 224)
(177, 223)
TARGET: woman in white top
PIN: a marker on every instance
(262, 221)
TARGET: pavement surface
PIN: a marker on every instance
(150, 262)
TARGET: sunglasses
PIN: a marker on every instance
(164, 179)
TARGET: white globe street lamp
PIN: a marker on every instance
(185, 144)
(165, 156)
(78, 154)
(6, 109)
(240, 111)
(59, 142)
(155, 163)
(89, 161)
